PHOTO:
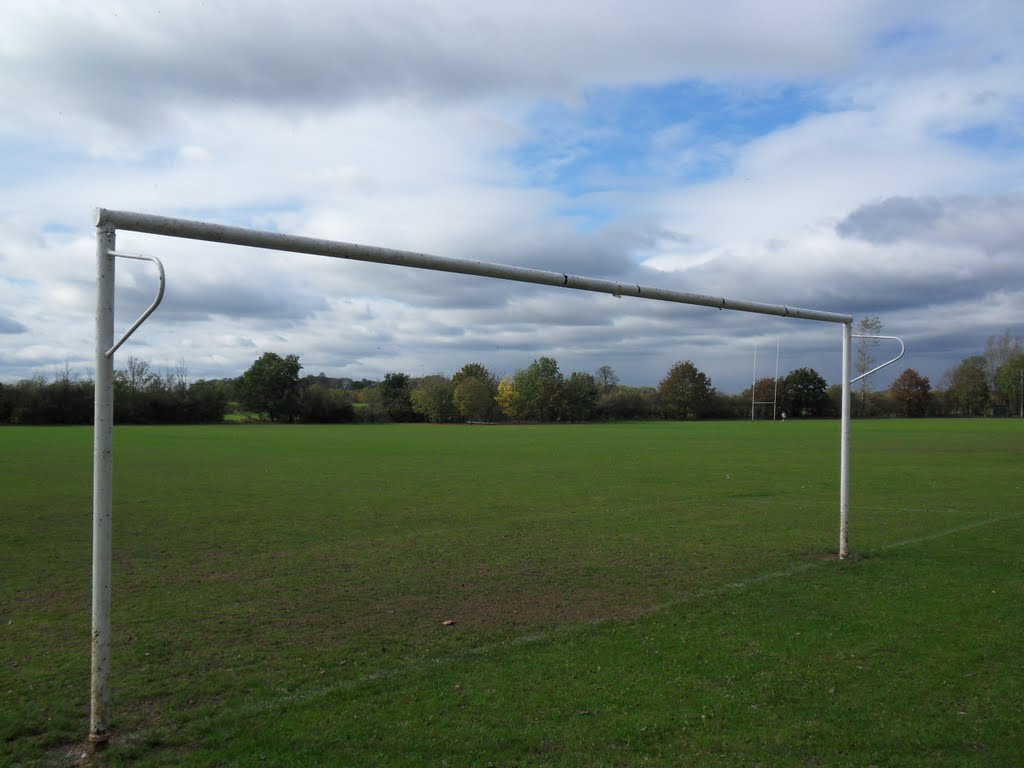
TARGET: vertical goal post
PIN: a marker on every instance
(107, 223)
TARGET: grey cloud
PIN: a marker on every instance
(316, 55)
(991, 224)
(892, 220)
(10, 326)
(199, 302)
(602, 254)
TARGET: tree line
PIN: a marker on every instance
(272, 389)
(141, 396)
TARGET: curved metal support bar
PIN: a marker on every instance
(889, 362)
(152, 307)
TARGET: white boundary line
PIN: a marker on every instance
(951, 531)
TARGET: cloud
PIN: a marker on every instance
(892, 220)
(990, 224)
(850, 156)
(11, 326)
(325, 54)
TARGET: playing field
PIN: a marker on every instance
(595, 595)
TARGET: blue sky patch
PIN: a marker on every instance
(989, 136)
(683, 133)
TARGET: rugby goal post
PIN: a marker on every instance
(109, 221)
(753, 384)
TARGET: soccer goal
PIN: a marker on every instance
(109, 221)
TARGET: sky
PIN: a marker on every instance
(860, 157)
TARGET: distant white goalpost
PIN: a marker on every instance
(109, 221)
(753, 386)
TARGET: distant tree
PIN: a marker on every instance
(271, 386)
(321, 404)
(432, 398)
(1009, 381)
(764, 392)
(805, 393)
(66, 400)
(396, 397)
(686, 392)
(538, 388)
(913, 392)
(510, 400)
(136, 376)
(999, 350)
(627, 403)
(372, 406)
(968, 392)
(206, 401)
(606, 379)
(870, 325)
(578, 399)
(473, 399)
(476, 371)
(178, 379)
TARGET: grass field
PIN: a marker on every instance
(628, 594)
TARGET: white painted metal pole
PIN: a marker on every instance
(219, 233)
(844, 445)
(102, 487)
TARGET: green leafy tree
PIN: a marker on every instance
(6, 403)
(473, 399)
(476, 371)
(913, 392)
(578, 397)
(805, 393)
(686, 392)
(271, 386)
(433, 399)
(320, 404)
(626, 403)
(538, 388)
(968, 391)
(835, 399)
(396, 397)
(1010, 379)
(207, 401)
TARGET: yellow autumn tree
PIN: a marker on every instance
(509, 399)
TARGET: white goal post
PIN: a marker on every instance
(109, 221)
(775, 393)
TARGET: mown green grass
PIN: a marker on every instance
(645, 594)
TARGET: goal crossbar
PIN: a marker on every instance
(109, 221)
(219, 233)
